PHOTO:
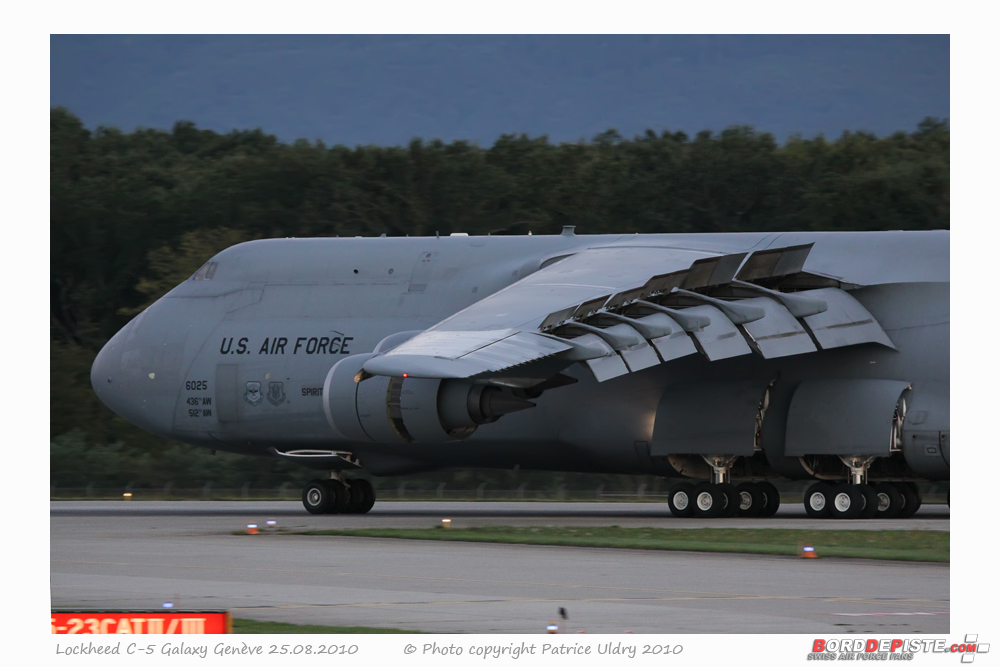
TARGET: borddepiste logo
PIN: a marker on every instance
(893, 649)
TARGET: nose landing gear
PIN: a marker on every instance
(338, 496)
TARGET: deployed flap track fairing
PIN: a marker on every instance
(673, 315)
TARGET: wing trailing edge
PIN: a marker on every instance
(720, 307)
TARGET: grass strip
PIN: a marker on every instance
(246, 626)
(907, 545)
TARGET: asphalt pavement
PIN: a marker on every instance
(133, 554)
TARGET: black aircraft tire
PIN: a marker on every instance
(709, 501)
(911, 498)
(846, 501)
(339, 491)
(817, 501)
(355, 498)
(317, 497)
(730, 499)
(871, 501)
(681, 500)
(751, 500)
(369, 495)
(890, 501)
(772, 499)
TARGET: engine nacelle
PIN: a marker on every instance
(395, 409)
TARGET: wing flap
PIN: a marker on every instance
(720, 339)
(640, 357)
(778, 333)
(606, 368)
(675, 345)
(844, 322)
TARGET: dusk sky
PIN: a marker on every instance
(389, 89)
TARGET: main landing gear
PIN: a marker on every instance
(338, 496)
(856, 499)
(883, 500)
(719, 498)
(709, 500)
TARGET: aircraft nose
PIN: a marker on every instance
(136, 374)
(106, 373)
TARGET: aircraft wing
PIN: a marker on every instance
(620, 309)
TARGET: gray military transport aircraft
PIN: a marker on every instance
(712, 358)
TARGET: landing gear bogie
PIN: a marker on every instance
(719, 497)
(709, 500)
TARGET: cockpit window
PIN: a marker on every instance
(206, 272)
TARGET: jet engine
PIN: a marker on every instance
(400, 409)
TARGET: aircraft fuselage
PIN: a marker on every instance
(237, 358)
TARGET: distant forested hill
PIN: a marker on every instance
(135, 213)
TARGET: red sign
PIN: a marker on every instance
(141, 623)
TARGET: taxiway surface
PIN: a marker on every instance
(139, 555)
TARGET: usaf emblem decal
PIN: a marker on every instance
(253, 395)
(276, 392)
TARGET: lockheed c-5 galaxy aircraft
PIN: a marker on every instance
(713, 358)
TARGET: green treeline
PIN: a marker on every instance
(133, 214)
